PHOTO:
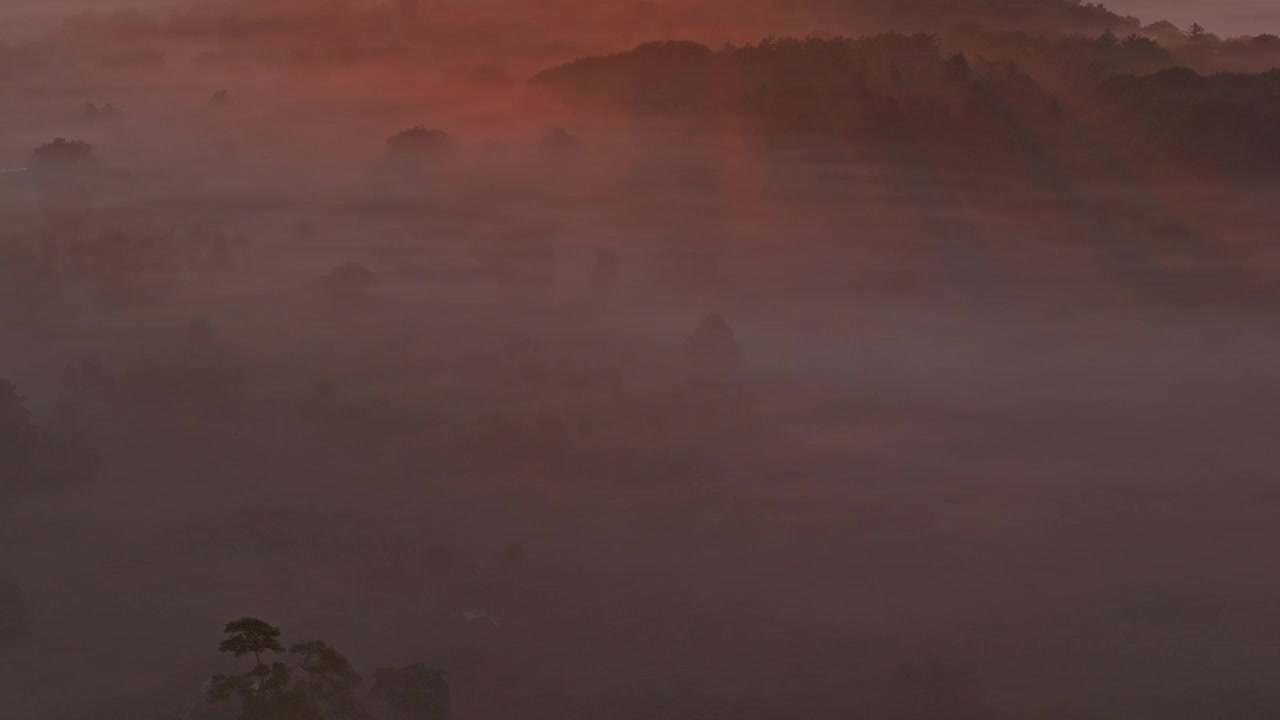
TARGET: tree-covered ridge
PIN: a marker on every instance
(911, 95)
(1220, 124)
(521, 36)
(858, 88)
(1072, 16)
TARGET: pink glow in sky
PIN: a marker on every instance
(1225, 17)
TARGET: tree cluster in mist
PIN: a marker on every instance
(313, 681)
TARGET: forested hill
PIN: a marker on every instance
(1066, 16)
(909, 95)
(506, 31)
(846, 16)
(521, 37)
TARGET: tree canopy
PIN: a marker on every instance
(313, 681)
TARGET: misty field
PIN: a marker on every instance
(628, 412)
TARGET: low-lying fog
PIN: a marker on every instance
(990, 450)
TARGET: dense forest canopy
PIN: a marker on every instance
(908, 94)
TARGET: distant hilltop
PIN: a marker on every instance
(842, 16)
(648, 16)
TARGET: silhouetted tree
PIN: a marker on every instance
(95, 114)
(251, 636)
(1196, 31)
(958, 67)
(1143, 47)
(62, 170)
(1266, 41)
(411, 153)
(419, 143)
(311, 682)
(62, 155)
(326, 679)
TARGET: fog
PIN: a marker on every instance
(610, 408)
(1229, 17)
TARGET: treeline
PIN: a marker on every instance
(1039, 16)
(340, 31)
(313, 681)
(909, 95)
(890, 91)
(1221, 124)
(1054, 57)
(1056, 35)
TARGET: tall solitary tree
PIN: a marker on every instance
(251, 635)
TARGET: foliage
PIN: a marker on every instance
(251, 635)
(904, 96)
(63, 154)
(313, 681)
(1223, 123)
(310, 682)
